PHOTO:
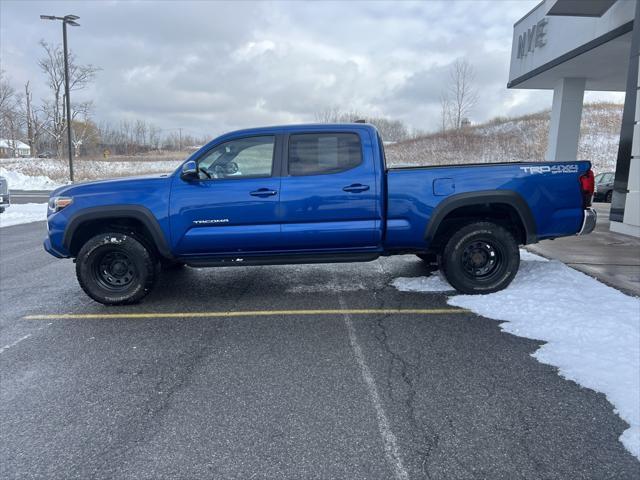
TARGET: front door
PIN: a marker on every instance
(233, 207)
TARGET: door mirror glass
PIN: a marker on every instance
(189, 171)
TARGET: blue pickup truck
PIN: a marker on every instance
(311, 194)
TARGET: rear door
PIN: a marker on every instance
(329, 192)
(233, 207)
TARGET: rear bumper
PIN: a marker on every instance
(5, 200)
(588, 222)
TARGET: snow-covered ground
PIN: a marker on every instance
(56, 171)
(25, 213)
(592, 330)
(19, 181)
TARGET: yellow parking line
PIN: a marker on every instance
(250, 313)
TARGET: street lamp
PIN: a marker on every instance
(66, 20)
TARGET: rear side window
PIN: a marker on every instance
(320, 153)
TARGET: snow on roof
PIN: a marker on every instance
(17, 144)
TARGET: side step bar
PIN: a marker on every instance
(240, 261)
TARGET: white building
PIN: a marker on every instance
(570, 46)
(13, 148)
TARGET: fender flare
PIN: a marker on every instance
(136, 212)
(483, 197)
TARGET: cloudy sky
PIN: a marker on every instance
(209, 67)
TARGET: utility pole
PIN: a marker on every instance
(71, 20)
(67, 97)
(180, 139)
(30, 139)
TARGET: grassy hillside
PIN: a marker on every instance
(514, 139)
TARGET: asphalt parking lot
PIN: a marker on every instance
(348, 379)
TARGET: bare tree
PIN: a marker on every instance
(390, 130)
(10, 121)
(335, 115)
(328, 115)
(52, 65)
(445, 111)
(462, 96)
(141, 131)
(33, 121)
(154, 137)
(82, 127)
(7, 93)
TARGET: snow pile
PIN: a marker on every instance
(434, 283)
(327, 287)
(592, 330)
(20, 181)
(25, 213)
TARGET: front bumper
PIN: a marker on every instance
(5, 200)
(588, 222)
(49, 249)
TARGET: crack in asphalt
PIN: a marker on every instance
(430, 440)
(158, 401)
(407, 373)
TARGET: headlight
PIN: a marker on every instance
(58, 203)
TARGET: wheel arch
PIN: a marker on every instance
(484, 200)
(120, 215)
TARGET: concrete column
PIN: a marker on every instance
(566, 114)
(625, 205)
(631, 199)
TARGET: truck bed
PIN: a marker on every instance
(549, 190)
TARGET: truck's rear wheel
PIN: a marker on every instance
(481, 257)
(115, 269)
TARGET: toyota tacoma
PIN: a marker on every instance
(311, 194)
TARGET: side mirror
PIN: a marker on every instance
(190, 171)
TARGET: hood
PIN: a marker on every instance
(111, 184)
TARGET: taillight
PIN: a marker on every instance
(587, 186)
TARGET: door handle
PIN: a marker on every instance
(356, 188)
(263, 192)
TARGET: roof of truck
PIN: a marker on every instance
(302, 126)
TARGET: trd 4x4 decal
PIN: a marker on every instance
(551, 169)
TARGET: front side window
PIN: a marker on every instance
(246, 157)
(321, 153)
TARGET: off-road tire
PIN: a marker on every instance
(463, 256)
(111, 258)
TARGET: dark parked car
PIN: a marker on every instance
(5, 198)
(604, 187)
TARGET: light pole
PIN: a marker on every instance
(70, 20)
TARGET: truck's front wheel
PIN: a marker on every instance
(115, 269)
(481, 257)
